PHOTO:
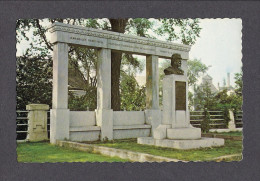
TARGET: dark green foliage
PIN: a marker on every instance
(205, 121)
(33, 81)
(226, 115)
(239, 83)
(85, 102)
(225, 101)
(186, 30)
(204, 98)
(132, 95)
(139, 26)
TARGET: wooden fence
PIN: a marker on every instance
(238, 119)
(216, 119)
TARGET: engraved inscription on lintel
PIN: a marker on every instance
(180, 90)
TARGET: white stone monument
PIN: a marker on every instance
(104, 123)
(175, 131)
(37, 122)
(61, 124)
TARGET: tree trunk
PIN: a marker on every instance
(117, 25)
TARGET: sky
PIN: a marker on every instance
(219, 46)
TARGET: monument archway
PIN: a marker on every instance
(105, 123)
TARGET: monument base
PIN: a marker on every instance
(189, 133)
(182, 144)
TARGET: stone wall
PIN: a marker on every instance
(130, 124)
(82, 118)
(124, 118)
(126, 124)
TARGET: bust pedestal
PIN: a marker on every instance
(176, 130)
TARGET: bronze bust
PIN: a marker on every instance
(175, 67)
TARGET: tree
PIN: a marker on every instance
(204, 98)
(195, 69)
(205, 121)
(185, 30)
(33, 81)
(132, 95)
(239, 83)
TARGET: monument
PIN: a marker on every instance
(175, 130)
(104, 123)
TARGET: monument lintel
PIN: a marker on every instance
(94, 38)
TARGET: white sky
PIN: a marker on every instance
(219, 45)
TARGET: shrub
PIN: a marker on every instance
(205, 122)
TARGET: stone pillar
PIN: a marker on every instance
(152, 112)
(104, 113)
(59, 123)
(60, 76)
(37, 122)
(152, 82)
(176, 121)
(231, 123)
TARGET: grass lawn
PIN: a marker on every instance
(204, 154)
(232, 133)
(45, 152)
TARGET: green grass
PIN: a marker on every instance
(235, 158)
(204, 154)
(232, 133)
(45, 152)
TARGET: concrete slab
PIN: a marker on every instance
(182, 144)
(184, 133)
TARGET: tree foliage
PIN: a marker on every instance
(132, 95)
(83, 61)
(239, 83)
(195, 69)
(204, 98)
(205, 124)
(33, 81)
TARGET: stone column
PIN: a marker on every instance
(104, 113)
(231, 123)
(37, 122)
(59, 123)
(152, 112)
(152, 82)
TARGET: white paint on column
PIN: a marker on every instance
(104, 79)
(152, 82)
(60, 76)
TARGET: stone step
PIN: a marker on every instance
(184, 133)
(182, 144)
(84, 133)
(84, 128)
(137, 126)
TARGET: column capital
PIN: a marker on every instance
(33, 107)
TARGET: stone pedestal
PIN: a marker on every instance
(37, 122)
(175, 131)
(182, 144)
(231, 123)
(153, 118)
(59, 122)
(104, 113)
(104, 119)
(59, 125)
